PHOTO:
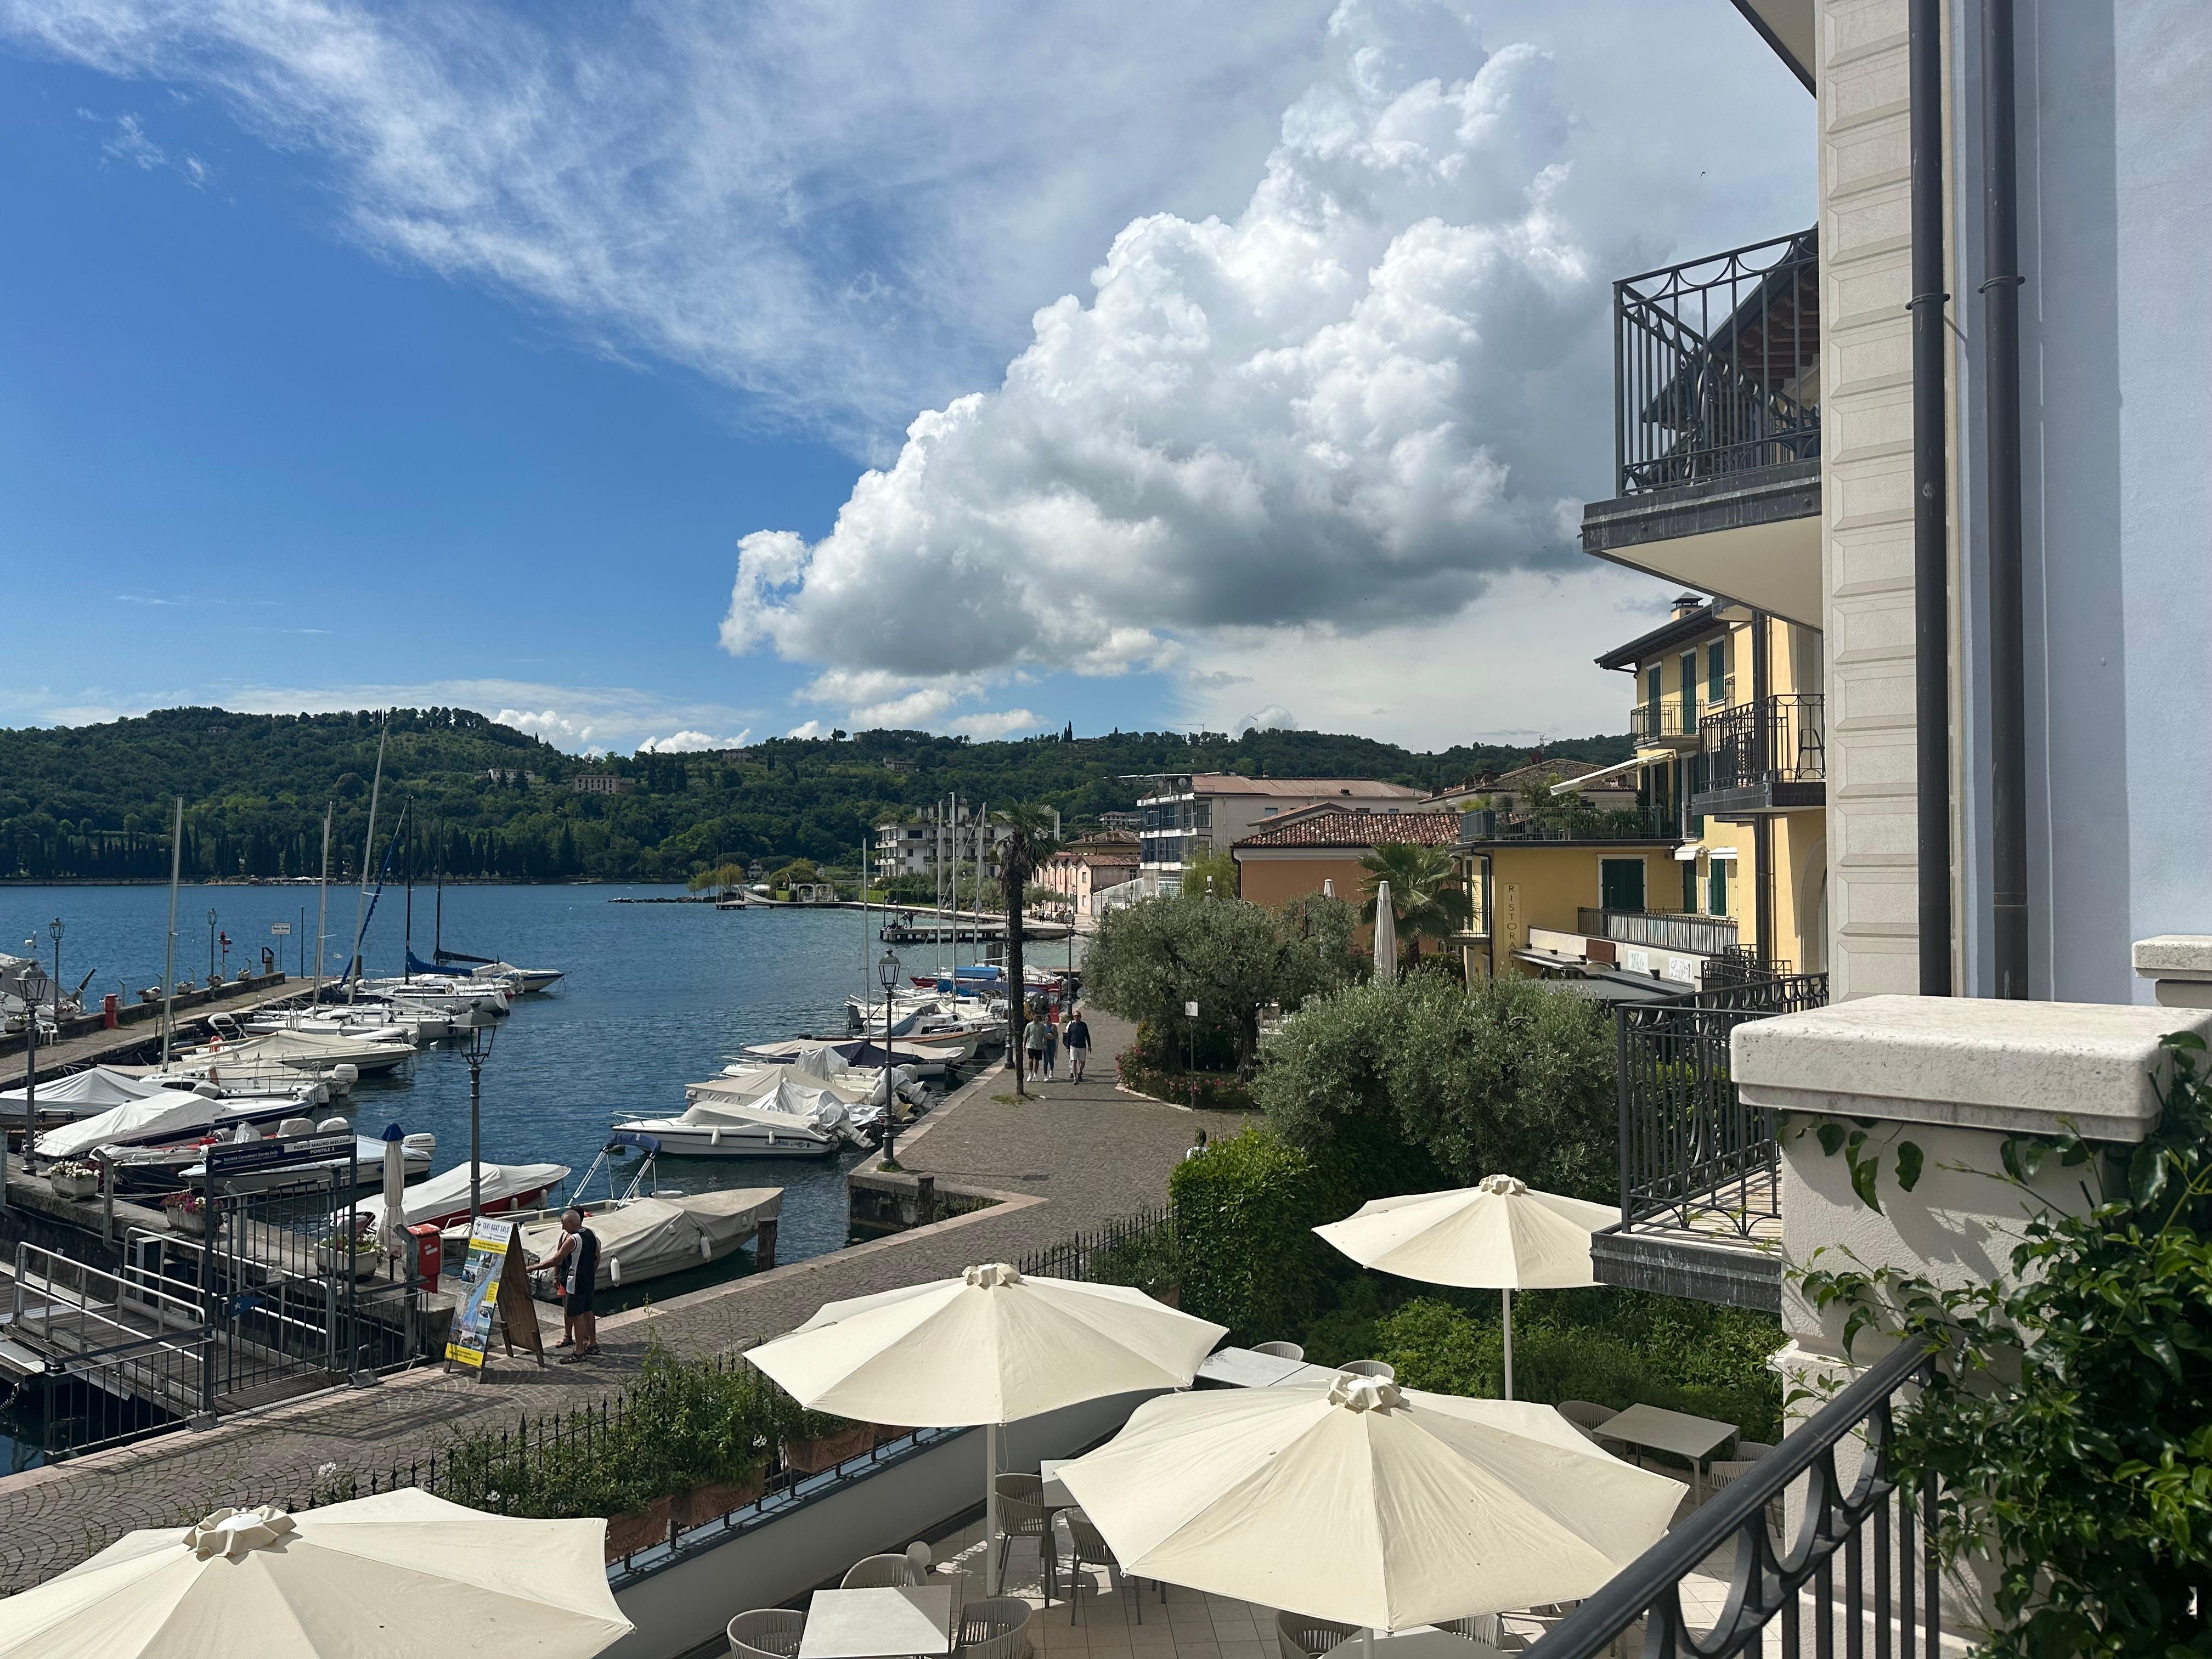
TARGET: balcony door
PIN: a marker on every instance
(1620, 883)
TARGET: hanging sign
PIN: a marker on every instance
(280, 929)
(490, 1242)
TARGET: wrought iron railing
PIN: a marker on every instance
(1716, 365)
(1690, 1148)
(1661, 930)
(1782, 739)
(1670, 717)
(1107, 1250)
(1786, 1596)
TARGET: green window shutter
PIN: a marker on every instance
(1716, 672)
(1690, 884)
(1717, 886)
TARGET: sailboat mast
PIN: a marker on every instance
(438, 920)
(323, 901)
(368, 854)
(169, 959)
(407, 926)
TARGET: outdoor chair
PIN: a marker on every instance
(1301, 1636)
(767, 1634)
(920, 1559)
(1021, 1514)
(1488, 1628)
(995, 1628)
(1281, 1351)
(1087, 1545)
(1387, 1372)
(1587, 1416)
(1746, 1450)
(879, 1572)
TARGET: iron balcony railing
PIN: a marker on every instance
(1716, 365)
(1692, 1153)
(1786, 1597)
(1782, 739)
(1484, 825)
(1670, 718)
(1705, 936)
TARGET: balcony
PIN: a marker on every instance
(1716, 427)
(1668, 724)
(1700, 1170)
(1484, 826)
(1765, 757)
(1704, 936)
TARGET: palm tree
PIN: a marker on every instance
(1426, 898)
(1031, 836)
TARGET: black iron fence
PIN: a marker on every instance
(1660, 930)
(1690, 1148)
(1716, 365)
(1787, 1593)
(1670, 717)
(1116, 1252)
(1783, 739)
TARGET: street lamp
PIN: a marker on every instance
(477, 1051)
(210, 944)
(887, 971)
(54, 931)
(34, 987)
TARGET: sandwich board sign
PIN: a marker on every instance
(495, 1279)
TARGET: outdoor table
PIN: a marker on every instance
(1054, 1495)
(1421, 1642)
(879, 1623)
(1693, 1438)
(1240, 1368)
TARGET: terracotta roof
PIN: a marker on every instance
(1228, 783)
(1097, 856)
(1359, 828)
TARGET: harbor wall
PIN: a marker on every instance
(690, 1599)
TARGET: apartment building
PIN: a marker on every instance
(1188, 815)
(1091, 867)
(915, 842)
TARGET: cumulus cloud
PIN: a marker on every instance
(1318, 410)
(551, 725)
(691, 743)
(1273, 718)
(807, 729)
(1004, 724)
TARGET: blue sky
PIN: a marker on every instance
(442, 354)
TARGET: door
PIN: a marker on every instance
(1716, 886)
(1620, 883)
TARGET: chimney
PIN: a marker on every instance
(1685, 604)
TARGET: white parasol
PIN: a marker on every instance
(1385, 935)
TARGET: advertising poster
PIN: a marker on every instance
(480, 1280)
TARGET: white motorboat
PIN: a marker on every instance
(83, 1094)
(365, 1161)
(442, 1201)
(168, 1118)
(421, 1026)
(854, 1053)
(793, 1119)
(644, 1238)
(532, 981)
(381, 1049)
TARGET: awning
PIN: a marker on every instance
(1569, 786)
(1597, 986)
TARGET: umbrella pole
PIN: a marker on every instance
(1508, 1295)
(990, 1506)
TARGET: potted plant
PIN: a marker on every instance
(361, 1251)
(186, 1213)
(74, 1179)
(817, 1441)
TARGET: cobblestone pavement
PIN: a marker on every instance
(1074, 1154)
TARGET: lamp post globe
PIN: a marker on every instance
(54, 931)
(887, 973)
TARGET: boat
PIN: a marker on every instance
(442, 1201)
(855, 1054)
(382, 1049)
(83, 1094)
(820, 1069)
(645, 1238)
(793, 1119)
(172, 1116)
(186, 1166)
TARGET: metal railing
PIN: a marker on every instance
(1670, 717)
(1783, 739)
(1690, 1147)
(1107, 1248)
(1716, 365)
(1786, 1596)
(1706, 935)
(109, 1397)
(1590, 823)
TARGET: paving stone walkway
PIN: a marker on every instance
(1071, 1156)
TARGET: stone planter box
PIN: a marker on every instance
(186, 1221)
(639, 1529)
(334, 1262)
(812, 1456)
(702, 1505)
(76, 1186)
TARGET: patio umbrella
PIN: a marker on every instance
(1379, 1506)
(391, 1577)
(1385, 935)
(1499, 1235)
(989, 1347)
(393, 1218)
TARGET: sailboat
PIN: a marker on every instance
(528, 981)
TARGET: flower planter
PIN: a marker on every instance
(639, 1529)
(186, 1221)
(701, 1505)
(812, 1456)
(364, 1262)
(76, 1186)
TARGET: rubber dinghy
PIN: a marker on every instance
(642, 1239)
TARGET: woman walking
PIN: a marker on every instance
(1051, 1040)
(1033, 1042)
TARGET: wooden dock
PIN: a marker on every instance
(139, 1030)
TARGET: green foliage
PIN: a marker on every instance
(1503, 1076)
(94, 801)
(1426, 901)
(1210, 876)
(720, 878)
(797, 871)
(1232, 958)
(1148, 1074)
(2069, 1425)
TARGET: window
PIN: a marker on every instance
(1620, 883)
(1689, 691)
(1716, 672)
(1690, 886)
(1696, 787)
(1651, 686)
(1717, 886)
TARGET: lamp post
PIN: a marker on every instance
(54, 931)
(34, 988)
(887, 971)
(477, 1051)
(210, 945)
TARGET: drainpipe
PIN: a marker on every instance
(1766, 756)
(1930, 503)
(2000, 383)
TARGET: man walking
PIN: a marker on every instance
(1077, 1037)
(575, 1265)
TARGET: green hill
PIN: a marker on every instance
(94, 802)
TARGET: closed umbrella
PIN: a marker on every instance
(990, 1347)
(1499, 1235)
(1365, 1502)
(393, 1219)
(398, 1575)
(1385, 935)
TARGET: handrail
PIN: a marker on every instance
(1768, 1578)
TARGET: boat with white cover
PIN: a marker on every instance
(157, 1167)
(641, 1239)
(854, 1053)
(171, 1117)
(83, 1094)
(442, 1201)
(792, 1119)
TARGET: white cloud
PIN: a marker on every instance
(129, 144)
(847, 208)
(1004, 723)
(553, 726)
(807, 729)
(1273, 718)
(691, 743)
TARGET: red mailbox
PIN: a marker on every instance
(108, 1017)
(429, 1253)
